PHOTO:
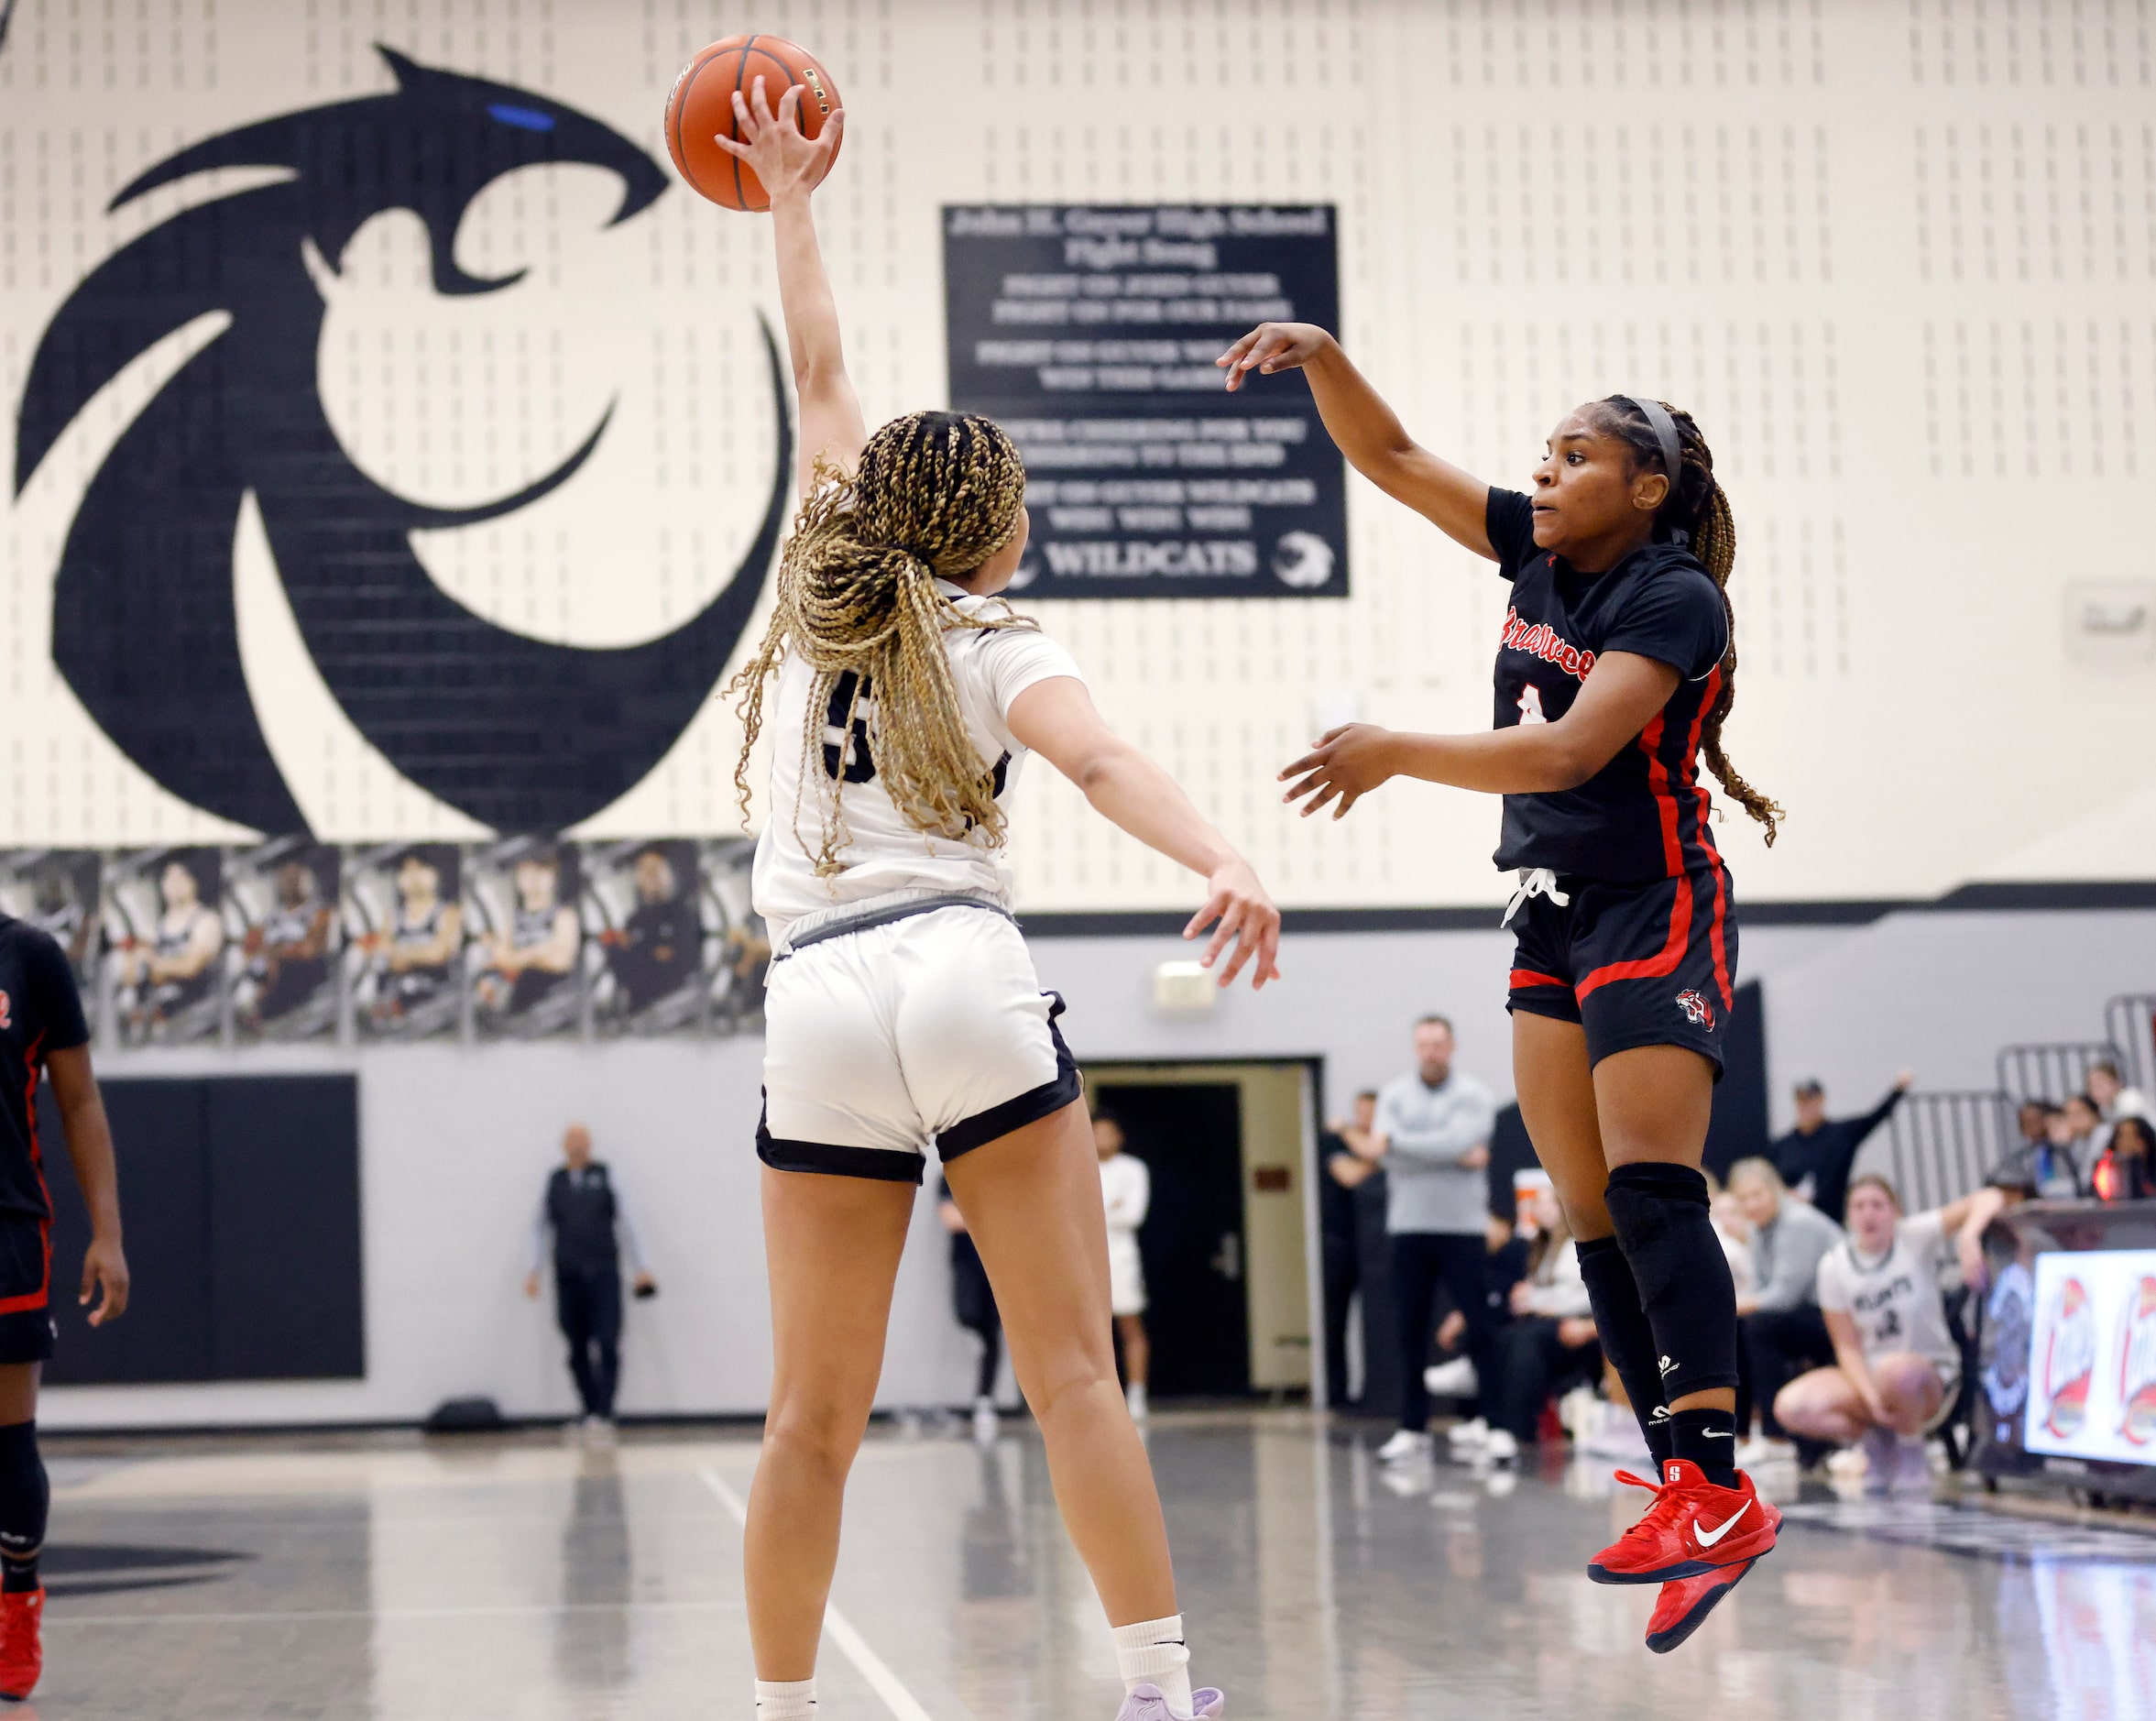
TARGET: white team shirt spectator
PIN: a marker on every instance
(1895, 1299)
(1126, 1191)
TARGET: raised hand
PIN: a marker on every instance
(1247, 917)
(771, 145)
(1272, 347)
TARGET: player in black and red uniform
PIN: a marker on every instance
(42, 1032)
(1613, 677)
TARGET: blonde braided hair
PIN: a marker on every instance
(936, 493)
(1699, 506)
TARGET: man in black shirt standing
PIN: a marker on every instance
(590, 1228)
(1814, 1158)
(42, 1030)
(1352, 1191)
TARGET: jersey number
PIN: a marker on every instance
(846, 732)
(1531, 705)
(845, 737)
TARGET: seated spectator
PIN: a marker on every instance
(2125, 1173)
(2038, 1168)
(1733, 1232)
(2114, 1101)
(1550, 1343)
(1779, 1331)
(1896, 1366)
(1814, 1158)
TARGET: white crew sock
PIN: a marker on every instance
(785, 1700)
(1153, 1653)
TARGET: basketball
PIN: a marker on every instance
(702, 105)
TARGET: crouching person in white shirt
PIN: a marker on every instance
(1897, 1368)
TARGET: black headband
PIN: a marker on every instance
(1665, 429)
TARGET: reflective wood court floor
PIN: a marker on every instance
(528, 1580)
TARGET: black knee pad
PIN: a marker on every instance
(1661, 1215)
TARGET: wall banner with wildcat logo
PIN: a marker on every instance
(1089, 331)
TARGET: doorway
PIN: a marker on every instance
(1224, 1244)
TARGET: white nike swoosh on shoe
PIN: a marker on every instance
(1708, 1538)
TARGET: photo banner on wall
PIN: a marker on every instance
(1090, 332)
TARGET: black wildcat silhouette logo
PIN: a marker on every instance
(518, 733)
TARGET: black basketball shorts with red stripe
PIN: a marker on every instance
(26, 1289)
(1647, 964)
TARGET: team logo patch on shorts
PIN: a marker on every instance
(1696, 1008)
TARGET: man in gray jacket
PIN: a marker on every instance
(1432, 1133)
(1781, 1331)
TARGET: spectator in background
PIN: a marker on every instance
(1349, 1181)
(1550, 1343)
(1126, 1191)
(1815, 1158)
(2112, 1098)
(590, 1229)
(1433, 1137)
(974, 1303)
(2045, 1165)
(1780, 1331)
(1897, 1368)
(2126, 1172)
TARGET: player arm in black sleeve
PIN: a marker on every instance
(83, 1119)
(1368, 432)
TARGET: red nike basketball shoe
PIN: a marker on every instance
(1683, 1605)
(1692, 1528)
(22, 1647)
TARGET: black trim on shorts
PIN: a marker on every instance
(1029, 1107)
(882, 1165)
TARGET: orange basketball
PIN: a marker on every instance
(701, 106)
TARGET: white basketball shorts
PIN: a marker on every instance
(927, 1028)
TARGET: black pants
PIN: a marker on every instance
(1342, 1271)
(1421, 1261)
(1776, 1346)
(588, 1302)
(1532, 1363)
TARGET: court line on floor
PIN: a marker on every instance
(851, 1644)
(286, 1616)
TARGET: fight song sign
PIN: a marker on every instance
(1089, 331)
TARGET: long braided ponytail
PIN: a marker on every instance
(936, 493)
(1699, 507)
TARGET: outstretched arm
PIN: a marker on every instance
(1057, 720)
(1621, 694)
(1368, 430)
(791, 167)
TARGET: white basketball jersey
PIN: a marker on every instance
(882, 852)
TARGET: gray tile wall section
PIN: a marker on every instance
(457, 1141)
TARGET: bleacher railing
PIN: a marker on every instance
(2051, 1072)
(2131, 1021)
(1941, 1145)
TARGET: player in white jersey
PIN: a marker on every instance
(903, 1004)
(1897, 1369)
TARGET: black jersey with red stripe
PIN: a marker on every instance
(40, 1011)
(1644, 814)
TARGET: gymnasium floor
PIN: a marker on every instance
(528, 1580)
